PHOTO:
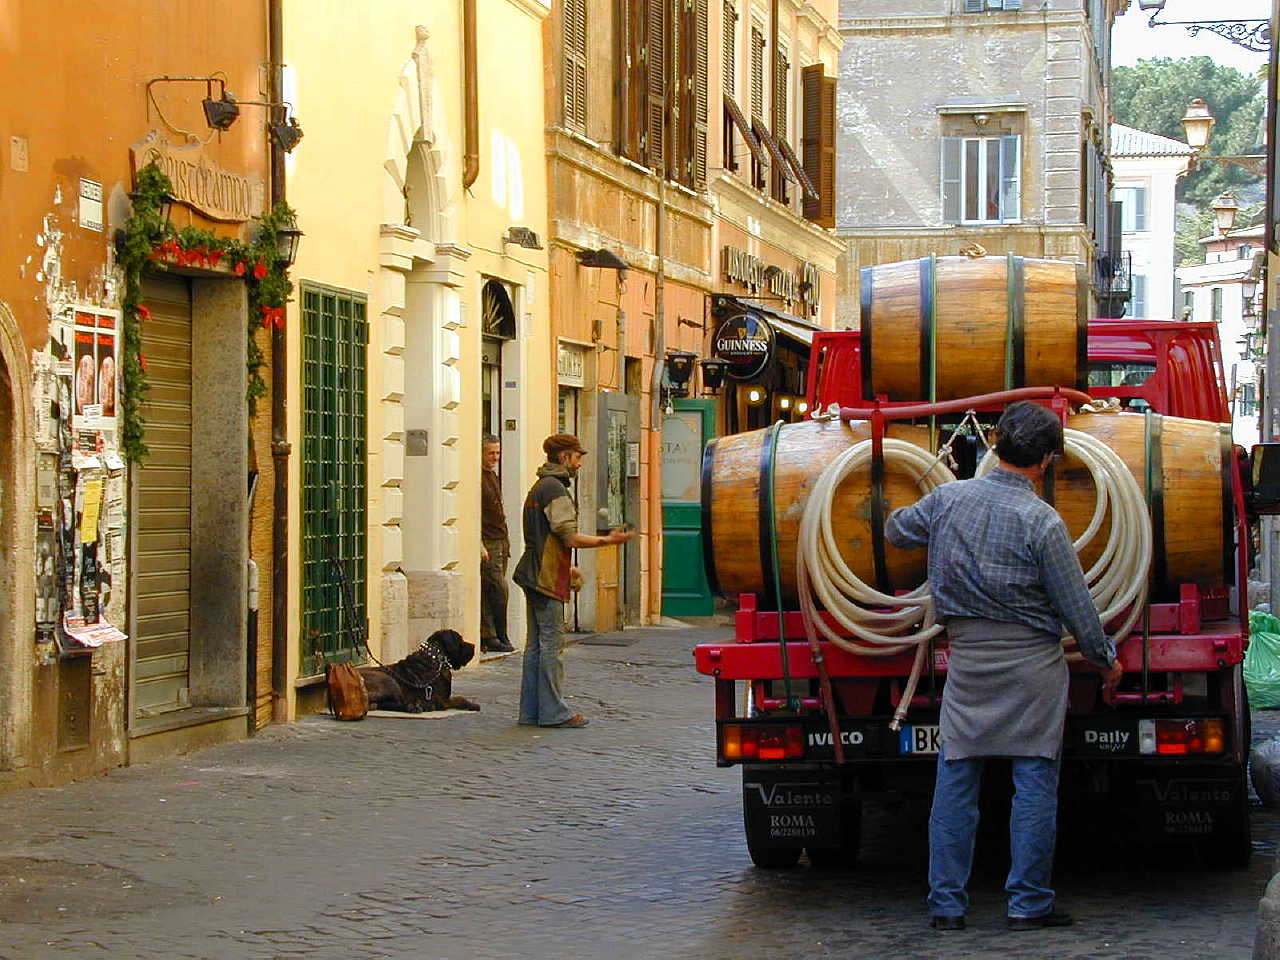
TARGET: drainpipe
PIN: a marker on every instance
(279, 426)
(470, 97)
(659, 341)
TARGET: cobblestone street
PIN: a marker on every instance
(468, 836)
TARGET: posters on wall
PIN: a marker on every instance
(80, 482)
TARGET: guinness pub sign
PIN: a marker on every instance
(744, 340)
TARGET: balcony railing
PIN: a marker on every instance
(1114, 280)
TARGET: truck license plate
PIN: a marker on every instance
(921, 738)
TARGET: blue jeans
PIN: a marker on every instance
(542, 674)
(1033, 830)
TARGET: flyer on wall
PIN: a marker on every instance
(96, 373)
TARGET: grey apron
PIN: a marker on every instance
(1006, 692)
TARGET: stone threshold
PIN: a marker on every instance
(181, 719)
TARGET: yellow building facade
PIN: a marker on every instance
(420, 318)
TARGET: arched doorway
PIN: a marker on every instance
(497, 329)
(17, 577)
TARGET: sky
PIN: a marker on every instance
(1132, 40)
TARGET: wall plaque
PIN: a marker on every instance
(199, 182)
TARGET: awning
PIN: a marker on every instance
(795, 331)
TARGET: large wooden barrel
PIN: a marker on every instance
(1191, 500)
(939, 328)
(1190, 496)
(735, 512)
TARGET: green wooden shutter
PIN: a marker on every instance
(334, 488)
(951, 187)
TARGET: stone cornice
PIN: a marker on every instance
(1048, 18)
(775, 218)
(966, 231)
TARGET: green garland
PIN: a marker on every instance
(149, 239)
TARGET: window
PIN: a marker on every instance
(1188, 304)
(1216, 305)
(574, 28)
(986, 6)
(1133, 202)
(1137, 305)
(1246, 400)
(981, 179)
(1244, 252)
(1120, 373)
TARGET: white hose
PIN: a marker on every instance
(1117, 581)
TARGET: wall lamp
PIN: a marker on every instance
(1251, 34)
(285, 132)
(522, 237)
(287, 238)
(604, 259)
(679, 366)
(713, 371)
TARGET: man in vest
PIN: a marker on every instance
(546, 574)
(1006, 582)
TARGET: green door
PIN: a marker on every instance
(685, 431)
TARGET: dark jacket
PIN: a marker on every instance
(493, 519)
(550, 519)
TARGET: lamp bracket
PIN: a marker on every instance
(1253, 35)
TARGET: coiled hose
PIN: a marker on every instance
(1117, 580)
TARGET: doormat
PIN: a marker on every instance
(608, 640)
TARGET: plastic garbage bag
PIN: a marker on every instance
(1264, 771)
(1262, 661)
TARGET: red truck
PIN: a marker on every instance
(1168, 755)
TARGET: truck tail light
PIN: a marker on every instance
(1181, 737)
(773, 741)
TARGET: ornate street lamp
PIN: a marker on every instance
(1198, 123)
(1225, 209)
(287, 238)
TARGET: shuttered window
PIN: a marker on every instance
(574, 28)
(757, 72)
(780, 70)
(1133, 201)
(655, 71)
(1137, 304)
(819, 144)
(334, 452)
(987, 6)
(729, 68)
(631, 79)
(981, 179)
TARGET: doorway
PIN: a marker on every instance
(685, 432)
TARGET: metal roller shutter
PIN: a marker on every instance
(162, 562)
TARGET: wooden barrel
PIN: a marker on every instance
(735, 514)
(939, 328)
(1191, 501)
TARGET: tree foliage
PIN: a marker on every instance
(1153, 95)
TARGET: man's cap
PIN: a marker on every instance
(559, 443)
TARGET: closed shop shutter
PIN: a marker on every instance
(162, 564)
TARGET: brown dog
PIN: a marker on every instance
(423, 680)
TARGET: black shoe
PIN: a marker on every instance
(947, 923)
(503, 646)
(1054, 918)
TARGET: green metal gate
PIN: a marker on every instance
(334, 448)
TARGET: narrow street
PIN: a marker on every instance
(471, 837)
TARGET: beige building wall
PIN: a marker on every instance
(380, 195)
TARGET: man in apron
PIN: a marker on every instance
(1007, 584)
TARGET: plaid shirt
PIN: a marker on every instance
(997, 551)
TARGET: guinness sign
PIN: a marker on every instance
(745, 341)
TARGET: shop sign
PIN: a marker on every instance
(745, 341)
(199, 182)
(570, 365)
(753, 273)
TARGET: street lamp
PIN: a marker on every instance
(1224, 212)
(1197, 122)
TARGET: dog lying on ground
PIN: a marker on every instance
(423, 680)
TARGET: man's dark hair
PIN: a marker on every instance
(488, 439)
(1026, 433)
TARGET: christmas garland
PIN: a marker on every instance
(149, 239)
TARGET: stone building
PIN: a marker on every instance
(420, 318)
(127, 449)
(975, 121)
(687, 147)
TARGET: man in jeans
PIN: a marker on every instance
(546, 572)
(1006, 581)
(495, 548)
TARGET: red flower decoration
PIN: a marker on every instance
(279, 318)
(142, 362)
(266, 319)
(143, 313)
(240, 268)
(213, 256)
(259, 270)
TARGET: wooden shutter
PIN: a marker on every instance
(1010, 178)
(729, 68)
(632, 80)
(574, 15)
(699, 118)
(819, 143)
(973, 6)
(757, 72)
(1140, 209)
(780, 95)
(655, 70)
(951, 186)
